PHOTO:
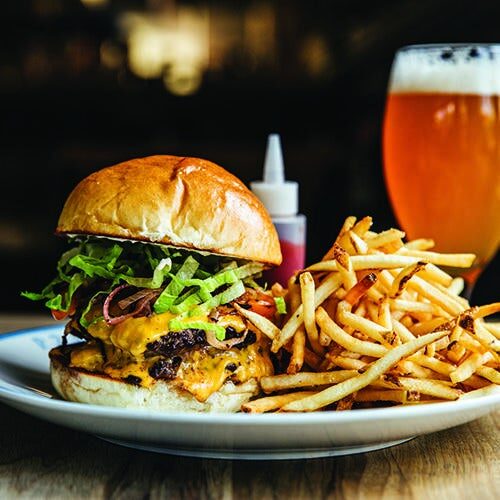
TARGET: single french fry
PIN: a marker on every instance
(483, 335)
(408, 368)
(363, 225)
(394, 395)
(435, 388)
(436, 275)
(344, 267)
(360, 288)
(298, 348)
(346, 227)
(275, 383)
(427, 326)
(384, 314)
(489, 373)
(486, 310)
(463, 302)
(270, 403)
(293, 297)
(324, 339)
(370, 261)
(267, 327)
(441, 344)
(411, 306)
(407, 321)
(456, 333)
(374, 295)
(494, 328)
(484, 391)
(373, 372)
(469, 366)
(420, 244)
(344, 339)
(358, 243)
(327, 287)
(404, 334)
(433, 363)
(469, 342)
(307, 294)
(441, 259)
(456, 286)
(436, 296)
(456, 352)
(347, 363)
(385, 280)
(405, 275)
(385, 238)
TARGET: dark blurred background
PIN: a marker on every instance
(88, 83)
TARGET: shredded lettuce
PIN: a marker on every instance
(280, 305)
(178, 324)
(176, 286)
(189, 281)
(228, 295)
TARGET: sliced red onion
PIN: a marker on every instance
(142, 304)
(124, 303)
(223, 344)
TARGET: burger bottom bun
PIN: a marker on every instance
(98, 389)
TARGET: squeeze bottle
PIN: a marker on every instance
(281, 199)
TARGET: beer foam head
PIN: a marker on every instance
(447, 69)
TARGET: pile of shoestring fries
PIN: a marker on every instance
(376, 323)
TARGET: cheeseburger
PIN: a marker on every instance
(162, 250)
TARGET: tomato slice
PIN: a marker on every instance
(58, 315)
(264, 305)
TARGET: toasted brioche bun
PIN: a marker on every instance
(80, 386)
(184, 202)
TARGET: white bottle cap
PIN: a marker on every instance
(280, 197)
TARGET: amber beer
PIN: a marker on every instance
(442, 149)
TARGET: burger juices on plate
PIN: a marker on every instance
(162, 248)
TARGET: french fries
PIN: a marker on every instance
(304, 379)
(377, 322)
(376, 370)
(270, 403)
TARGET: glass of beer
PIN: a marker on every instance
(441, 144)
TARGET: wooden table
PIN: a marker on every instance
(41, 460)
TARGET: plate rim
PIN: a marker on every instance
(234, 419)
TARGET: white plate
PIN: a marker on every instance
(25, 385)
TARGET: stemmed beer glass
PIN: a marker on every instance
(441, 146)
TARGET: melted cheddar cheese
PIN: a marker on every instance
(203, 370)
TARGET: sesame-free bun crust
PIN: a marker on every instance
(80, 386)
(185, 202)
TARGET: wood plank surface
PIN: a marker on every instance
(42, 460)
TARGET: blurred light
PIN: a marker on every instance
(95, 4)
(148, 50)
(111, 55)
(47, 8)
(315, 55)
(260, 33)
(173, 47)
(12, 238)
(37, 63)
(182, 80)
(80, 54)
